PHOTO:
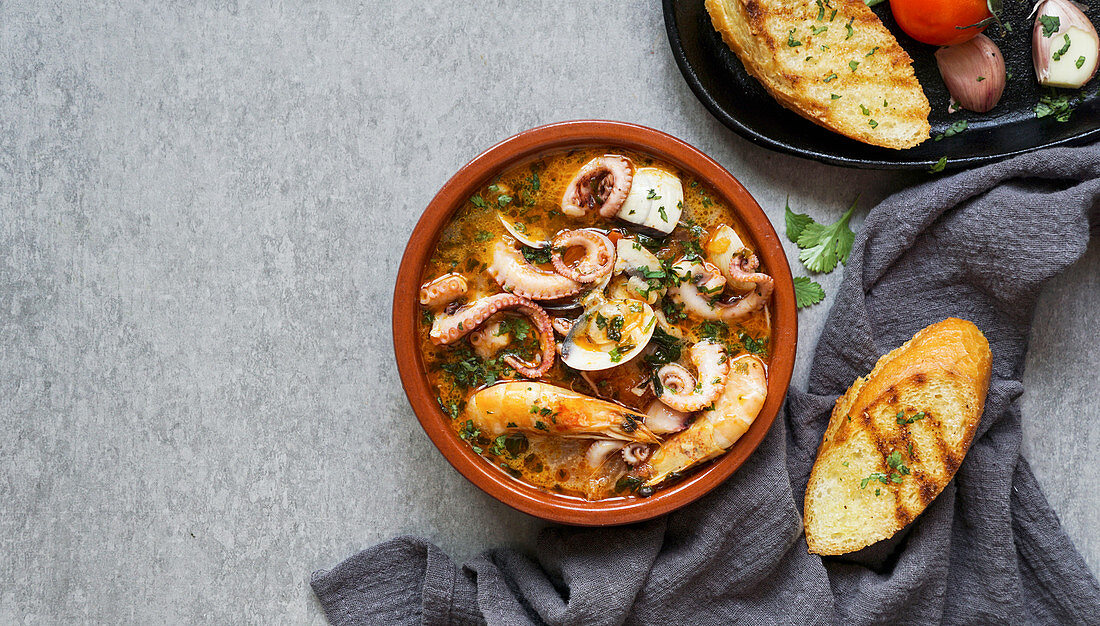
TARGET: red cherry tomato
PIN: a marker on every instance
(938, 22)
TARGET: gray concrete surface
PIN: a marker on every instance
(203, 207)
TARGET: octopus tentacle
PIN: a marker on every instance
(603, 182)
(692, 292)
(598, 260)
(742, 269)
(681, 392)
(601, 450)
(450, 328)
(515, 275)
(442, 290)
(562, 325)
(636, 453)
(489, 339)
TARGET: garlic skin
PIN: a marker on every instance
(1069, 57)
(974, 72)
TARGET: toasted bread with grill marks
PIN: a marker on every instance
(896, 438)
(802, 51)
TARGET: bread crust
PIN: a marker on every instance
(943, 373)
(882, 83)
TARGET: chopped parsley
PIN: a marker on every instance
(615, 328)
(483, 235)
(853, 65)
(879, 476)
(536, 256)
(664, 216)
(752, 345)
(503, 199)
(601, 321)
(872, 123)
(673, 311)
(1057, 106)
(939, 165)
(714, 330)
(1051, 24)
(834, 96)
(518, 326)
(539, 424)
(901, 419)
(871, 52)
(791, 41)
(1065, 48)
(1080, 61)
(817, 30)
(667, 348)
(499, 448)
(829, 78)
(953, 130)
(628, 483)
(849, 28)
(467, 370)
(478, 201)
(649, 243)
(615, 355)
(652, 195)
(865, 110)
(469, 432)
(452, 408)
(895, 463)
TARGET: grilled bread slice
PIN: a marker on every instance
(896, 438)
(830, 61)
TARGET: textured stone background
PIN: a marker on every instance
(203, 207)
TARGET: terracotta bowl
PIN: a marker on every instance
(526, 146)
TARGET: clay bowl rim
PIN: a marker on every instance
(526, 146)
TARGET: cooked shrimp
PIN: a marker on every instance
(714, 431)
(549, 410)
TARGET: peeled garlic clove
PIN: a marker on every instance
(1064, 46)
(974, 72)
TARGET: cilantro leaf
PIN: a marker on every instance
(796, 222)
(823, 246)
(807, 292)
(939, 165)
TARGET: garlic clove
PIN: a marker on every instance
(974, 72)
(1065, 48)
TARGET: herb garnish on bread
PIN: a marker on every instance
(830, 61)
(896, 438)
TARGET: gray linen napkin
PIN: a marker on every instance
(989, 549)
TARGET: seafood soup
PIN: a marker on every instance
(596, 323)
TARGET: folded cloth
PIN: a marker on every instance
(977, 245)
